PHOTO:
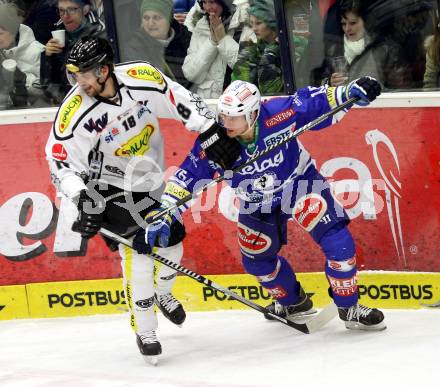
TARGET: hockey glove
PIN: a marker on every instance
(365, 88)
(89, 221)
(156, 233)
(218, 147)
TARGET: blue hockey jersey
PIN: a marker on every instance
(264, 181)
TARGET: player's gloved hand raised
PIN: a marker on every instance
(365, 88)
(218, 147)
(156, 233)
(90, 216)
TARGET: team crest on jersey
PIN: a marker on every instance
(309, 210)
(67, 112)
(147, 73)
(137, 145)
(252, 242)
(265, 182)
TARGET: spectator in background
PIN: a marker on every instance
(365, 53)
(411, 26)
(98, 9)
(260, 62)
(161, 40)
(431, 77)
(77, 20)
(181, 9)
(19, 56)
(41, 16)
(217, 29)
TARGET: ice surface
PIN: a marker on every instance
(224, 348)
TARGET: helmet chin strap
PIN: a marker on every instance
(251, 126)
(101, 84)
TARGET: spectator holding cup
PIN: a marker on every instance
(341, 54)
(19, 58)
(361, 51)
(76, 21)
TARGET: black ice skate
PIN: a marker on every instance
(361, 317)
(149, 346)
(303, 307)
(171, 308)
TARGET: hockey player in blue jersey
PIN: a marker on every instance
(277, 187)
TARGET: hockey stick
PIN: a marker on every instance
(255, 156)
(308, 327)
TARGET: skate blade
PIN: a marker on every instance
(354, 325)
(151, 360)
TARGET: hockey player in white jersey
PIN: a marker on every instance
(106, 153)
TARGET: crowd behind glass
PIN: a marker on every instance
(205, 44)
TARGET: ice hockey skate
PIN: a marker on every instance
(363, 318)
(171, 308)
(149, 346)
(294, 312)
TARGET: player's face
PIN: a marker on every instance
(353, 26)
(155, 25)
(235, 126)
(88, 81)
(6, 39)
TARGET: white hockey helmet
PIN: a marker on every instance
(240, 98)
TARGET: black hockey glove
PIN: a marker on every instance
(366, 88)
(218, 147)
(89, 221)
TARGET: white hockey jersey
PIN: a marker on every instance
(119, 142)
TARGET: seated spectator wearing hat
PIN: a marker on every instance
(161, 40)
(217, 29)
(77, 20)
(260, 62)
(22, 52)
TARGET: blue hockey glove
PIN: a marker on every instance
(366, 88)
(156, 233)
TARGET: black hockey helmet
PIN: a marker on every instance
(89, 53)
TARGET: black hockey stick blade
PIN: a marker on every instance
(307, 327)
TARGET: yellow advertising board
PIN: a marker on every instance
(75, 298)
(13, 302)
(62, 299)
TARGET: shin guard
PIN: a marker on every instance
(276, 276)
(340, 269)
